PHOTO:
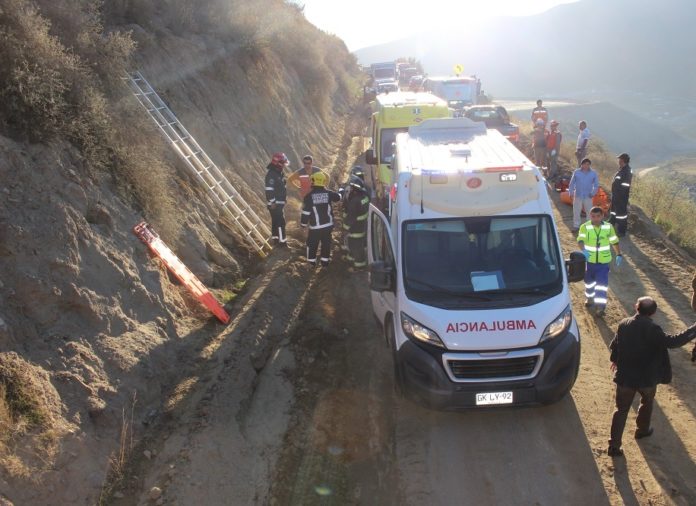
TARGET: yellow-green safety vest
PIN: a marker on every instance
(598, 241)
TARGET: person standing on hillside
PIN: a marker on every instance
(301, 177)
(317, 214)
(582, 188)
(553, 147)
(540, 113)
(620, 189)
(583, 140)
(640, 361)
(539, 143)
(276, 196)
(596, 238)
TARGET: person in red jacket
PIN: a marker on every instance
(553, 147)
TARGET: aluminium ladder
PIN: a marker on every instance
(199, 163)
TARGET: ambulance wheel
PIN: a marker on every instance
(389, 334)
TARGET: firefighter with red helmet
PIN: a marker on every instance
(317, 215)
(276, 195)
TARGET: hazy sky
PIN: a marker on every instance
(362, 23)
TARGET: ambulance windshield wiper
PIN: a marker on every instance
(447, 291)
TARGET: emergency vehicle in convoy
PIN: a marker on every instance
(394, 113)
(467, 275)
(458, 92)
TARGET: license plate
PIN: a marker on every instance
(489, 398)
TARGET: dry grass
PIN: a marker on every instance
(27, 406)
(118, 461)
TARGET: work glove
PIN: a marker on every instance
(587, 255)
(618, 260)
(553, 152)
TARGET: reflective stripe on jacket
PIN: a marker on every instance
(598, 241)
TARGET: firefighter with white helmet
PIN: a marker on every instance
(317, 215)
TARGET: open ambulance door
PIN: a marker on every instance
(382, 264)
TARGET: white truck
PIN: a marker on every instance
(467, 276)
(458, 92)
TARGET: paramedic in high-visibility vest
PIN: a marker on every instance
(596, 238)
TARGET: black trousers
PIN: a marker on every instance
(316, 237)
(357, 248)
(618, 216)
(624, 399)
(278, 222)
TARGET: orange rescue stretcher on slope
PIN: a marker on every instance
(182, 273)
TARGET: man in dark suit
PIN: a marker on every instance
(640, 360)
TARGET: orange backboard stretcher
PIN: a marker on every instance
(182, 273)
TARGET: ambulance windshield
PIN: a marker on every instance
(480, 259)
(388, 136)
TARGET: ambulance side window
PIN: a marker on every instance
(381, 248)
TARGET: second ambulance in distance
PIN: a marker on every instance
(467, 275)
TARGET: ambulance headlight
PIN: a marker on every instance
(415, 330)
(558, 326)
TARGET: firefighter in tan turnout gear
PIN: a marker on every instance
(356, 208)
(317, 215)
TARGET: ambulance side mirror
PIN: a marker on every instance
(370, 157)
(382, 277)
(575, 266)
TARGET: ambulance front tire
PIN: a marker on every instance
(389, 334)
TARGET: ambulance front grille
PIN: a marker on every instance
(500, 368)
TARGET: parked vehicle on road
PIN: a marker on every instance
(494, 116)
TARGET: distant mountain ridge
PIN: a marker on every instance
(580, 48)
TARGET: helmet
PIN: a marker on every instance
(540, 122)
(358, 171)
(279, 159)
(553, 122)
(357, 183)
(625, 157)
(318, 179)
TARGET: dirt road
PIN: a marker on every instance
(300, 408)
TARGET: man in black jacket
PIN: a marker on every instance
(620, 189)
(276, 196)
(317, 214)
(640, 360)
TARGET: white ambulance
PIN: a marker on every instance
(467, 276)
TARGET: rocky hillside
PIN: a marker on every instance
(93, 330)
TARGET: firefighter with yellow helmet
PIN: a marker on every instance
(317, 215)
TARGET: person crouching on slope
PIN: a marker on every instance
(317, 214)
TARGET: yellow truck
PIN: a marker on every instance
(393, 113)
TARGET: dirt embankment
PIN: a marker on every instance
(103, 330)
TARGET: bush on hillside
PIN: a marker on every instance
(57, 69)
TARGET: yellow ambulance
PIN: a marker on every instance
(393, 113)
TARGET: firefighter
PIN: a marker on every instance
(355, 222)
(539, 113)
(596, 238)
(276, 197)
(620, 189)
(317, 214)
